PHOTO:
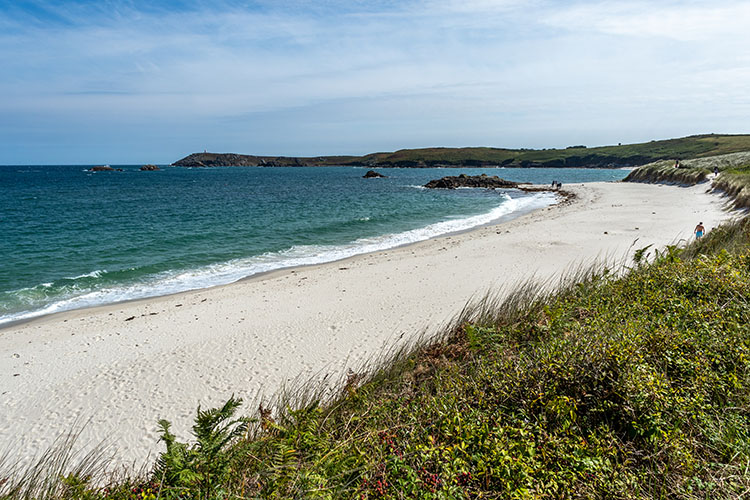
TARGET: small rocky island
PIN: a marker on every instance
(149, 168)
(473, 181)
(104, 168)
(371, 174)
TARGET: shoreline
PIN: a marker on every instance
(122, 366)
(563, 197)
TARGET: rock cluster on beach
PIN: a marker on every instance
(475, 181)
(371, 174)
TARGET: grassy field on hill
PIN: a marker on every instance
(683, 148)
(697, 146)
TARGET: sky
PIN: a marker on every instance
(137, 81)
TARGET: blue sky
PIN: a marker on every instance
(138, 81)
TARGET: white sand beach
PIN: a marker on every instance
(120, 368)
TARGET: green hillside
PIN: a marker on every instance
(627, 155)
(621, 155)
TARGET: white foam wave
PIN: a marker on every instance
(301, 255)
(93, 274)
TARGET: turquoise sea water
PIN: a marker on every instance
(70, 238)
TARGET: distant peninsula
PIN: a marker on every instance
(622, 155)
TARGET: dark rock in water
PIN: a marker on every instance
(149, 167)
(371, 174)
(103, 168)
(474, 181)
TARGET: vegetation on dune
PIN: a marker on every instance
(615, 386)
(666, 172)
(735, 182)
(696, 146)
(733, 174)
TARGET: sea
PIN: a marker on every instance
(71, 238)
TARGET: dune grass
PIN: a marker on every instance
(691, 171)
(613, 386)
(666, 172)
(733, 175)
(735, 183)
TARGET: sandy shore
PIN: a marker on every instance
(123, 367)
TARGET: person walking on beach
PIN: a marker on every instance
(716, 171)
(699, 230)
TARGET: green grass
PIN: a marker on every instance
(615, 386)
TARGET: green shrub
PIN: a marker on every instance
(203, 467)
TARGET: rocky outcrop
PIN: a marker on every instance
(474, 181)
(371, 174)
(104, 168)
(149, 168)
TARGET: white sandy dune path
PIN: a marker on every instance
(200, 347)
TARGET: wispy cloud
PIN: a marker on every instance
(678, 20)
(362, 75)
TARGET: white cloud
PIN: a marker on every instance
(682, 21)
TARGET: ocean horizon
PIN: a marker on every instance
(73, 238)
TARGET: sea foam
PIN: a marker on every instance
(165, 283)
